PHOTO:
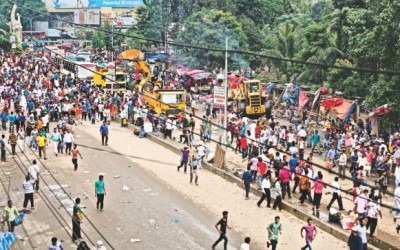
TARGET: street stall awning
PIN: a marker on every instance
(331, 103)
(200, 76)
(381, 110)
(342, 109)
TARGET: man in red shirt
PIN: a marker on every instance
(262, 170)
(243, 146)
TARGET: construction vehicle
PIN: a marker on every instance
(110, 78)
(170, 102)
(248, 98)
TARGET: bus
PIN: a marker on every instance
(86, 44)
(76, 67)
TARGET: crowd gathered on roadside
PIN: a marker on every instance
(279, 158)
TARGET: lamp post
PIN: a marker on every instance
(31, 20)
(112, 32)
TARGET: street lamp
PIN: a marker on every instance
(31, 20)
(112, 32)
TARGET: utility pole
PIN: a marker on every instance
(226, 86)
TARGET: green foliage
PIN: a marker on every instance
(209, 28)
(26, 14)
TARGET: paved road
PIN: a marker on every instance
(150, 211)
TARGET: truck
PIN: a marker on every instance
(248, 98)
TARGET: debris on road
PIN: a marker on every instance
(125, 188)
(135, 240)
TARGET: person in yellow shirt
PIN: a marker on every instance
(41, 140)
(10, 213)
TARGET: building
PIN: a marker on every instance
(120, 13)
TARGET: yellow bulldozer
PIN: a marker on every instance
(158, 99)
(248, 98)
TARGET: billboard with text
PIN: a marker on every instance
(96, 3)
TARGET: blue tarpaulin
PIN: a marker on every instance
(6, 240)
(159, 57)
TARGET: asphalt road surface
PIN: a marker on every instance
(149, 211)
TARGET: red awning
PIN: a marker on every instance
(381, 110)
(330, 103)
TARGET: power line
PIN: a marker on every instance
(250, 53)
(47, 201)
(202, 119)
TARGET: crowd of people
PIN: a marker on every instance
(279, 158)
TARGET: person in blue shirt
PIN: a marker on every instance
(84, 111)
(4, 120)
(293, 163)
(247, 178)
(104, 133)
(11, 118)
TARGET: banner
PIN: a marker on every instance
(303, 99)
(219, 97)
(58, 4)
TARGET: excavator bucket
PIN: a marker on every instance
(132, 55)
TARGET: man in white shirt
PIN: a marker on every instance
(34, 174)
(68, 139)
(302, 133)
(373, 210)
(28, 192)
(336, 194)
(169, 127)
(342, 164)
(55, 244)
(361, 203)
(246, 244)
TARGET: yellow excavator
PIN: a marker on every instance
(248, 98)
(158, 99)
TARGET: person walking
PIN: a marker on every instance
(55, 138)
(55, 244)
(34, 174)
(104, 134)
(194, 169)
(318, 187)
(41, 142)
(277, 191)
(77, 218)
(354, 242)
(28, 185)
(223, 225)
(311, 233)
(336, 194)
(362, 232)
(184, 159)
(361, 202)
(304, 186)
(246, 244)
(10, 212)
(3, 148)
(12, 140)
(100, 192)
(266, 191)
(342, 164)
(274, 229)
(373, 210)
(68, 140)
(74, 153)
(247, 178)
(285, 175)
(21, 139)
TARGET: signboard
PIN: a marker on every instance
(94, 3)
(219, 97)
(118, 17)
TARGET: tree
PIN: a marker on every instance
(31, 8)
(209, 28)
